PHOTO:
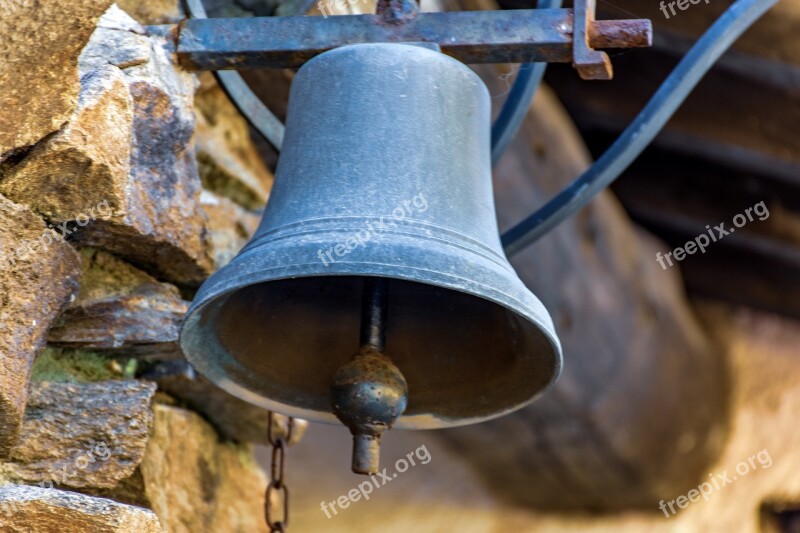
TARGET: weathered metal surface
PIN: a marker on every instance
(518, 36)
(369, 393)
(627, 33)
(590, 64)
(275, 324)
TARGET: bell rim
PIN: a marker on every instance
(410, 422)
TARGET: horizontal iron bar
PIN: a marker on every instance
(517, 36)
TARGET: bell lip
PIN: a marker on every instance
(306, 270)
(405, 422)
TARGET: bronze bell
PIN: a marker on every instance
(379, 240)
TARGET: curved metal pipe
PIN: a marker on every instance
(708, 49)
(519, 99)
(257, 114)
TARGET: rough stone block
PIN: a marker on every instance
(85, 166)
(194, 482)
(38, 277)
(118, 40)
(123, 168)
(40, 43)
(27, 509)
(235, 419)
(120, 310)
(82, 435)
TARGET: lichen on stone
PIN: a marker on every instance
(104, 276)
(79, 366)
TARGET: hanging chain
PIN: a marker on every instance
(277, 497)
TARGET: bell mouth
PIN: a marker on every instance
(278, 344)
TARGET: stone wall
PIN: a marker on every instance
(124, 182)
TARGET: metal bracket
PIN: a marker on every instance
(515, 36)
(590, 64)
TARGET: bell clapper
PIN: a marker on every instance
(369, 392)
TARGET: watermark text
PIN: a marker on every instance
(376, 481)
(719, 232)
(717, 482)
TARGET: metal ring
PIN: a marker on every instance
(278, 455)
(277, 525)
(289, 430)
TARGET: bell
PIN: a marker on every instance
(380, 241)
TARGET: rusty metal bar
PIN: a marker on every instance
(517, 36)
(590, 64)
(628, 33)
